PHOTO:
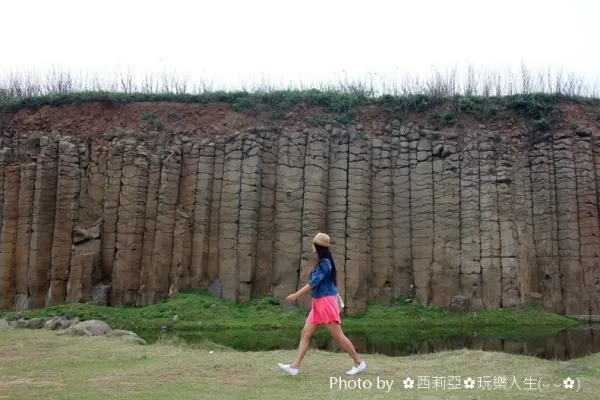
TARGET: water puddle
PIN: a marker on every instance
(564, 345)
(571, 343)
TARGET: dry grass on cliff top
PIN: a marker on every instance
(38, 364)
(479, 92)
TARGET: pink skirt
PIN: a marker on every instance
(324, 310)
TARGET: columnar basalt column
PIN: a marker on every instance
(422, 213)
(525, 277)
(112, 187)
(8, 236)
(314, 211)
(337, 202)
(229, 219)
(213, 252)
(66, 217)
(42, 225)
(446, 229)
(289, 197)
(470, 220)
(491, 268)
(249, 210)
(587, 209)
(202, 216)
(575, 298)
(168, 193)
(382, 257)
(184, 219)
(152, 193)
(24, 221)
(545, 223)
(358, 265)
(401, 220)
(130, 226)
(266, 214)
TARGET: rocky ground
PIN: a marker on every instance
(66, 326)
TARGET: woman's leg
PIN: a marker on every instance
(307, 333)
(336, 332)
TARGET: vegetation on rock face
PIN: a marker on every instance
(342, 105)
(199, 311)
(476, 93)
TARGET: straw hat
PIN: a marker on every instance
(322, 240)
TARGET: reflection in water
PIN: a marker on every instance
(572, 343)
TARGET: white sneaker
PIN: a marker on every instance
(288, 369)
(356, 370)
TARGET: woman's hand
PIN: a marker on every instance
(292, 298)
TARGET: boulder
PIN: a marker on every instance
(54, 323)
(133, 338)
(22, 323)
(36, 323)
(126, 335)
(65, 323)
(120, 332)
(75, 331)
(94, 327)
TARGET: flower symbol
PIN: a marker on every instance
(568, 383)
(469, 383)
(408, 383)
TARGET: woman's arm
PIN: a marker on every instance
(294, 296)
(315, 279)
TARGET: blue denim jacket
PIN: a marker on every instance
(321, 279)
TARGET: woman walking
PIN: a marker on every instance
(322, 285)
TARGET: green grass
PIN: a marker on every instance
(200, 312)
(38, 364)
(342, 105)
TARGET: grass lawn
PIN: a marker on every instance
(38, 364)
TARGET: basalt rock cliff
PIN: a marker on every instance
(126, 204)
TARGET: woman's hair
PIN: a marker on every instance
(323, 252)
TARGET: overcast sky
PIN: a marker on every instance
(300, 40)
